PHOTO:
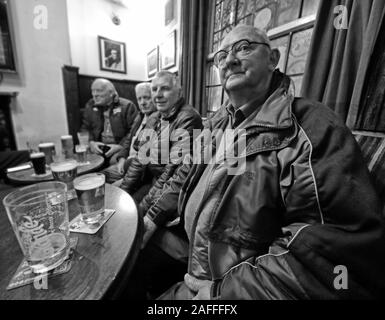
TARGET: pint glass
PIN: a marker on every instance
(67, 146)
(90, 190)
(49, 151)
(81, 152)
(65, 171)
(39, 217)
(38, 162)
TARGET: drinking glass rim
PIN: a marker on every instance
(22, 191)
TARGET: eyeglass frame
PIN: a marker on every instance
(235, 53)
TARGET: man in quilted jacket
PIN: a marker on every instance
(300, 219)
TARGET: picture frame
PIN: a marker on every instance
(112, 55)
(153, 62)
(169, 12)
(168, 52)
(7, 58)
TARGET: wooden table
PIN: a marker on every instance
(28, 176)
(101, 262)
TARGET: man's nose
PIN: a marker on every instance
(158, 93)
(231, 59)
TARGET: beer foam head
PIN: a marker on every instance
(67, 137)
(46, 145)
(37, 155)
(90, 182)
(63, 166)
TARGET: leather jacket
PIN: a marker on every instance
(160, 169)
(303, 206)
(124, 118)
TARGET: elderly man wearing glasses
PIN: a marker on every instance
(302, 219)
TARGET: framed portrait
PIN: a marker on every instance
(112, 55)
(168, 51)
(7, 60)
(152, 62)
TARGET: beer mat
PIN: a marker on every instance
(81, 164)
(48, 172)
(24, 274)
(77, 225)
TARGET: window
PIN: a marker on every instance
(288, 23)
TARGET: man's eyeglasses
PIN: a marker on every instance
(239, 49)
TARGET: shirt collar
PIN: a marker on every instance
(237, 116)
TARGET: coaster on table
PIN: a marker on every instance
(48, 172)
(77, 224)
(24, 274)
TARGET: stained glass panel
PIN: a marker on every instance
(264, 18)
(297, 80)
(214, 98)
(228, 12)
(282, 45)
(288, 10)
(213, 76)
(299, 48)
(310, 7)
(218, 17)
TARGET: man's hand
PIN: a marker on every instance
(201, 287)
(114, 149)
(94, 147)
(120, 165)
(149, 229)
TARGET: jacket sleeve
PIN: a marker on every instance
(126, 141)
(131, 119)
(342, 226)
(163, 196)
(87, 121)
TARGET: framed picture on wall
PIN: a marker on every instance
(7, 60)
(112, 55)
(152, 62)
(169, 12)
(168, 51)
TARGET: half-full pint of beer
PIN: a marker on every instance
(65, 171)
(90, 190)
(81, 152)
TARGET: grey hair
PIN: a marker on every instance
(170, 75)
(144, 85)
(107, 84)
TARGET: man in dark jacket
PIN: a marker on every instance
(110, 120)
(170, 133)
(300, 219)
(128, 152)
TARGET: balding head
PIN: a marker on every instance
(246, 63)
(245, 32)
(103, 92)
(143, 95)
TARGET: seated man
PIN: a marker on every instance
(300, 219)
(172, 118)
(110, 120)
(128, 152)
(171, 139)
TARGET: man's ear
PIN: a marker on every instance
(274, 58)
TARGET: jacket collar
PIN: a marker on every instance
(274, 114)
(174, 110)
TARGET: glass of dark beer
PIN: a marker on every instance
(90, 190)
(65, 171)
(38, 162)
(49, 150)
